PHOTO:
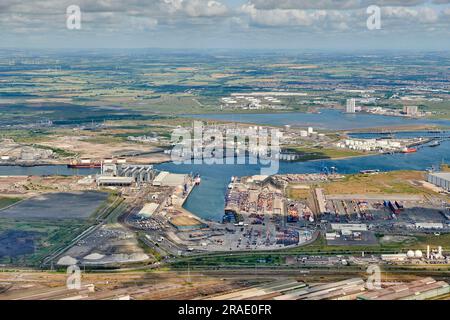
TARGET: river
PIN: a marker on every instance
(44, 171)
(207, 200)
(327, 119)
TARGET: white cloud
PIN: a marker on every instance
(282, 17)
(101, 15)
(143, 24)
(201, 8)
(411, 15)
(334, 4)
(395, 18)
(334, 20)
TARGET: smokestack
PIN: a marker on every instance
(428, 252)
(440, 251)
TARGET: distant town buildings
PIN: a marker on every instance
(258, 100)
(351, 106)
(371, 144)
(143, 139)
(410, 110)
(407, 111)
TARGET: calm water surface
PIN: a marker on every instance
(326, 120)
(207, 200)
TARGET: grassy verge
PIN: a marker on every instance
(316, 153)
(101, 139)
(26, 136)
(6, 201)
(60, 152)
(394, 182)
(108, 207)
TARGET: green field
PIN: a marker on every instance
(27, 241)
(57, 151)
(394, 182)
(316, 153)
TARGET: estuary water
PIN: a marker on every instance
(207, 200)
(327, 119)
(45, 171)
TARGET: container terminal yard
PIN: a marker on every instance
(142, 222)
(261, 213)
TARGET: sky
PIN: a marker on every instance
(236, 24)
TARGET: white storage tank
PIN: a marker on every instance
(410, 254)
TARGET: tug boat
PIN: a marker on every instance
(435, 144)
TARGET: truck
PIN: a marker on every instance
(399, 206)
(390, 206)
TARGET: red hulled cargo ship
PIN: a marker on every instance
(84, 164)
(409, 150)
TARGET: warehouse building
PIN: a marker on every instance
(350, 289)
(429, 225)
(114, 181)
(440, 179)
(148, 210)
(167, 179)
(349, 227)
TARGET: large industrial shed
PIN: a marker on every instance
(440, 179)
(167, 179)
(114, 181)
